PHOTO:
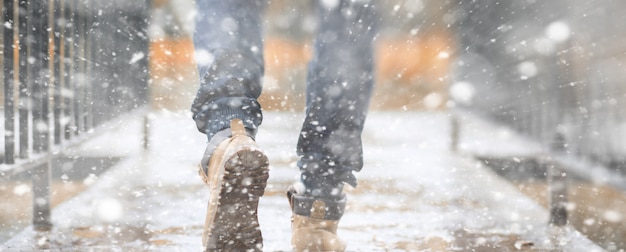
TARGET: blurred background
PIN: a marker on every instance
(413, 52)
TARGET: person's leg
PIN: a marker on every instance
(339, 87)
(229, 50)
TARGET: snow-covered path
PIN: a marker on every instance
(413, 194)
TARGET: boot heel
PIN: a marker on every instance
(237, 175)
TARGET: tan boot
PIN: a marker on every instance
(236, 173)
(314, 223)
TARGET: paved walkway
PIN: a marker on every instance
(413, 194)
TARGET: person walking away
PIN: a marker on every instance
(229, 48)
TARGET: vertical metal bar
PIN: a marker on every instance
(57, 33)
(146, 66)
(9, 114)
(23, 78)
(69, 68)
(146, 131)
(119, 42)
(38, 15)
(79, 44)
(90, 61)
(50, 78)
(557, 184)
(454, 132)
(2, 62)
(101, 64)
(557, 176)
(41, 174)
(36, 54)
(41, 197)
(144, 41)
(46, 74)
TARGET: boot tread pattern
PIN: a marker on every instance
(236, 226)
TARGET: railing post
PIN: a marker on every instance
(90, 61)
(557, 184)
(9, 78)
(39, 11)
(454, 132)
(24, 104)
(58, 67)
(41, 75)
(41, 197)
(79, 67)
(69, 72)
(146, 130)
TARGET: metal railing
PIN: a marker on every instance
(69, 66)
(550, 70)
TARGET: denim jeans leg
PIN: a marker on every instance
(339, 86)
(229, 53)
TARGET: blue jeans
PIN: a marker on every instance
(228, 42)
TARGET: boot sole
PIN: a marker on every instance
(235, 225)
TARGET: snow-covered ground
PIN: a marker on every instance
(413, 193)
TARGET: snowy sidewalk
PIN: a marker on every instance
(413, 194)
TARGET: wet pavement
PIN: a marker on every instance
(414, 194)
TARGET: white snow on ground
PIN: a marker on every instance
(414, 194)
(483, 138)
